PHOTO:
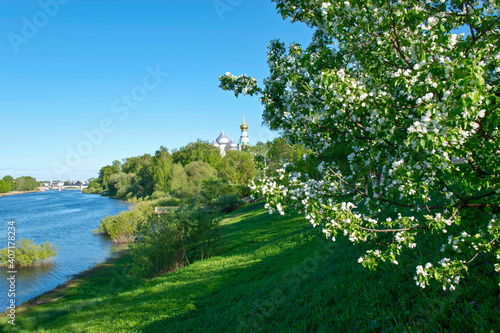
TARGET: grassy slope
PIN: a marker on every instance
(276, 274)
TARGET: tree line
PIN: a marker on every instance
(195, 173)
(25, 183)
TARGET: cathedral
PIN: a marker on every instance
(224, 144)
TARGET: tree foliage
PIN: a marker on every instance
(400, 112)
(107, 172)
(181, 175)
(174, 240)
(26, 183)
(9, 181)
(4, 187)
(198, 151)
(162, 169)
(119, 184)
(238, 167)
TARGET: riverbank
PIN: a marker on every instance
(89, 277)
(17, 192)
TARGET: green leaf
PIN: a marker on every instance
(422, 143)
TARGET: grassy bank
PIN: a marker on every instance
(275, 274)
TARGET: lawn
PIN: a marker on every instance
(274, 273)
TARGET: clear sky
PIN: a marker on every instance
(86, 82)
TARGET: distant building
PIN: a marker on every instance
(225, 145)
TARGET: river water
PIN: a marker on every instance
(65, 218)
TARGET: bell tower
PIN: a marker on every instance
(244, 141)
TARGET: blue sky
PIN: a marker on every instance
(86, 82)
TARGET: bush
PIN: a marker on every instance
(243, 190)
(122, 228)
(27, 254)
(214, 187)
(173, 240)
(91, 190)
(166, 201)
(227, 203)
(157, 195)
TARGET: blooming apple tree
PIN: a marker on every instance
(399, 101)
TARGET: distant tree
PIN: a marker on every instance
(179, 179)
(259, 148)
(144, 178)
(162, 169)
(272, 154)
(214, 186)
(198, 151)
(133, 164)
(105, 174)
(119, 183)
(197, 172)
(238, 167)
(95, 186)
(117, 163)
(10, 182)
(26, 183)
(4, 187)
(259, 152)
(281, 151)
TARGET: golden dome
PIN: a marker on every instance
(244, 126)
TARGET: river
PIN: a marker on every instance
(66, 219)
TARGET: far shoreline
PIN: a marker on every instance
(17, 192)
(40, 189)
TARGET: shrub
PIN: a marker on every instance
(121, 228)
(173, 240)
(27, 254)
(166, 201)
(157, 195)
(243, 190)
(227, 203)
(214, 187)
(92, 190)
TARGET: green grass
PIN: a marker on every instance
(276, 274)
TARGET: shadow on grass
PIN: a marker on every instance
(277, 274)
(166, 294)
